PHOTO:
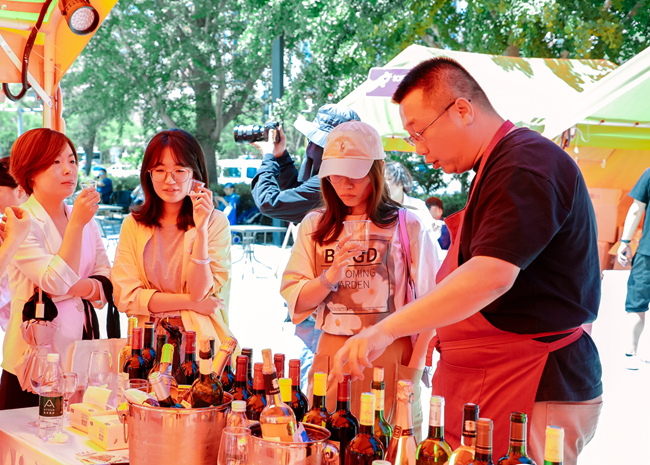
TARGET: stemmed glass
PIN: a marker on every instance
(69, 389)
(40, 362)
(234, 446)
(99, 368)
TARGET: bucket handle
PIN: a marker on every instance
(122, 412)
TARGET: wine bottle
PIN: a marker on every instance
(136, 396)
(403, 445)
(161, 340)
(237, 415)
(434, 450)
(318, 414)
(135, 365)
(278, 360)
(554, 449)
(277, 420)
(165, 370)
(483, 454)
(299, 402)
(256, 403)
(517, 452)
(148, 352)
(365, 447)
(248, 352)
(206, 391)
(223, 355)
(125, 353)
(228, 376)
(285, 391)
(465, 452)
(161, 392)
(240, 389)
(206, 348)
(383, 430)
(188, 371)
(342, 425)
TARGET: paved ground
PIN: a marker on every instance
(257, 315)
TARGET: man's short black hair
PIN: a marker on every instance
(103, 170)
(431, 201)
(442, 80)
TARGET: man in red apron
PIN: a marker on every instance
(521, 277)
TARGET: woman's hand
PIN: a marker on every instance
(15, 225)
(208, 306)
(203, 206)
(345, 251)
(85, 206)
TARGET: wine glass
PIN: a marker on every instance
(69, 389)
(38, 368)
(233, 449)
(99, 368)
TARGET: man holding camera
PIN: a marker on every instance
(279, 190)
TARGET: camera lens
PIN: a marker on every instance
(245, 134)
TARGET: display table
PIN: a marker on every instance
(248, 232)
(20, 444)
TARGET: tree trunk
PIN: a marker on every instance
(88, 146)
(205, 124)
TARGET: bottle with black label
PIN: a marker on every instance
(343, 425)
(383, 429)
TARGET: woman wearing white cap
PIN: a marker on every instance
(350, 290)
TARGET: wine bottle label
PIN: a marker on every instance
(398, 432)
(271, 384)
(50, 406)
(435, 416)
(379, 399)
(469, 428)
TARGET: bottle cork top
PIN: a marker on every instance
(518, 417)
(267, 358)
(378, 374)
(437, 400)
(405, 391)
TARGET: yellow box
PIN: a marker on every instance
(80, 415)
(107, 432)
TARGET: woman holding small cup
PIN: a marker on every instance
(60, 253)
(350, 282)
(173, 256)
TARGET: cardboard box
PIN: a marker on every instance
(606, 260)
(605, 202)
(80, 415)
(107, 432)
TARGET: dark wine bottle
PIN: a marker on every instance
(240, 389)
(342, 425)
(278, 360)
(248, 352)
(554, 449)
(299, 402)
(365, 447)
(382, 429)
(189, 370)
(227, 376)
(318, 414)
(434, 450)
(135, 365)
(148, 352)
(256, 403)
(161, 340)
(206, 390)
(161, 392)
(465, 452)
(517, 451)
(483, 454)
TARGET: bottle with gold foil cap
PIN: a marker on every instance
(403, 445)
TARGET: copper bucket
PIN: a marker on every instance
(317, 451)
(169, 436)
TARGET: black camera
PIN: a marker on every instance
(245, 134)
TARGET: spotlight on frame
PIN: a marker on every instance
(82, 17)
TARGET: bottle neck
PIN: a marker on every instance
(318, 402)
(272, 388)
(190, 356)
(436, 432)
(483, 455)
(343, 404)
(517, 438)
(403, 419)
(148, 338)
(367, 429)
(136, 351)
(378, 391)
(436, 422)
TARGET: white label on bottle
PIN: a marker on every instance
(379, 398)
(435, 417)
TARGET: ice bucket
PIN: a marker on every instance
(318, 451)
(169, 436)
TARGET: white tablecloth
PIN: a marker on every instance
(20, 444)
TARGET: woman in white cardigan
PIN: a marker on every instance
(173, 257)
(63, 249)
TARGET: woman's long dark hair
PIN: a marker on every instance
(380, 208)
(186, 152)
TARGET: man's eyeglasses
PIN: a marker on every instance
(336, 179)
(419, 136)
(178, 175)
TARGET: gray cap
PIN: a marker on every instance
(328, 117)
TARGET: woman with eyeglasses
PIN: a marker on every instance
(62, 254)
(173, 257)
(349, 289)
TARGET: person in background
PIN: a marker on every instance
(350, 290)
(229, 203)
(279, 190)
(11, 195)
(400, 185)
(63, 250)
(638, 284)
(104, 186)
(173, 256)
(435, 206)
(284, 193)
(521, 277)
